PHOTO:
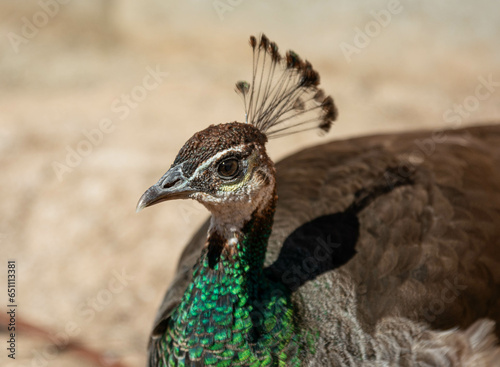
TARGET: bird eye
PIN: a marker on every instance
(228, 168)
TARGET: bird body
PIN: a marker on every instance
(377, 253)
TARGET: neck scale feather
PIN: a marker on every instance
(231, 314)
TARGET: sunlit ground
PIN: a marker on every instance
(96, 100)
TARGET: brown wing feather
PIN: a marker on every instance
(429, 251)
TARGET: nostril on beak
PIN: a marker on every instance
(170, 183)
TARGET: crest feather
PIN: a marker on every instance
(283, 97)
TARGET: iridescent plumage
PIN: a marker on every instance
(347, 268)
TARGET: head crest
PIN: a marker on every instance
(284, 97)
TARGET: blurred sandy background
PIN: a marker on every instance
(88, 266)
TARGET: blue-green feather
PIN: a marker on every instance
(231, 314)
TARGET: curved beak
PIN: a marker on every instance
(173, 185)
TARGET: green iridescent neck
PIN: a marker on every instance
(231, 314)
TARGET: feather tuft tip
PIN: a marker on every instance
(273, 50)
(264, 42)
(283, 97)
(253, 42)
(242, 87)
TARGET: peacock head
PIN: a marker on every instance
(225, 167)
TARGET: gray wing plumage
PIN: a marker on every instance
(428, 252)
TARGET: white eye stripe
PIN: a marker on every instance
(216, 157)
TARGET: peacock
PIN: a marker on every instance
(377, 253)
